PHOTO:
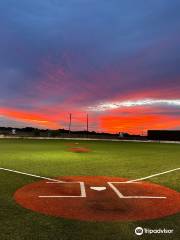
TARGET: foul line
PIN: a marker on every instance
(31, 175)
(151, 176)
(82, 186)
(55, 180)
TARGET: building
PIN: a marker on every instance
(169, 135)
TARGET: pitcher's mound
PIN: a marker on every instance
(99, 199)
(79, 150)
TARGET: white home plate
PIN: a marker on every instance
(98, 188)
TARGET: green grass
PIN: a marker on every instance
(50, 158)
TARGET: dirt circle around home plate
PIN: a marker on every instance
(91, 198)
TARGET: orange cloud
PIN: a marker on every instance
(137, 124)
(49, 117)
(28, 117)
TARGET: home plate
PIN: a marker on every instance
(98, 188)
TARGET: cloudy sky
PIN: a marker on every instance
(118, 61)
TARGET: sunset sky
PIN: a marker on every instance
(118, 61)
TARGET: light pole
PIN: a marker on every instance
(87, 124)
(70, 119)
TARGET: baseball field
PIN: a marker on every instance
(88, 190)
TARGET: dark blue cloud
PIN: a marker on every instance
(137, 41)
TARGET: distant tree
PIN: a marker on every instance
(54, 133)
(36, 132)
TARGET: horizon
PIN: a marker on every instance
(118, 62)
(61, 129)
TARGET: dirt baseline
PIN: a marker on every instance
(99, 199)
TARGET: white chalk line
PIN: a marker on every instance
(82, 184)
(55, 180)
(31, 175)
(135, 181)
(82, 189)
(153, 175)
(120, 195)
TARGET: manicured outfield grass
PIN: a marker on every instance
(51, 158)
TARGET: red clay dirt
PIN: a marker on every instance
(103, 205)
(79, 150)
